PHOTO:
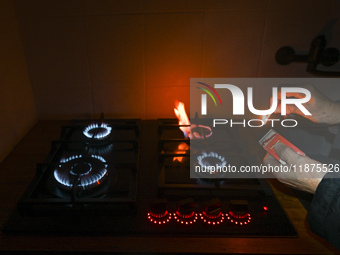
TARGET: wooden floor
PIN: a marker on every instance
(18, 169)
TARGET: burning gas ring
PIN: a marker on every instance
(97, 131)
(211, 159)
(84, 171)
(200, 131)
(211, 165)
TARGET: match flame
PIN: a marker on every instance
(182, 149)
(182, 118)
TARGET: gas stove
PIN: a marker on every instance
(132, 177)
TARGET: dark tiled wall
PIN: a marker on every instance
(17, 107)
(134, 58)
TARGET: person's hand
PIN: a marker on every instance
(302, 180)
(323, 110)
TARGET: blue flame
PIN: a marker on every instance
(70, 158)
(211, 155)
(107, 131)
(88, 178)
(83, 182)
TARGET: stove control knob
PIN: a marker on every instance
(212, 213)
(185, 213)
(158, 213)
(159, 208)
(239, 207)
(186, 207)
(238, 212)
(212, 207)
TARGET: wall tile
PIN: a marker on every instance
(64, 103)
(55, 51)
(23, 111)
(115, 50)
(18, 110)
(137, 65)
(40, 8)
(232, 43)
(298, 32)
(173, 45)
(335, 8)
(223, 5)
(100, 7)
(160, 102)
(7, 9)
(12, 163)
(9, 140)
(127, 101)
(157, 6)
(14, 76)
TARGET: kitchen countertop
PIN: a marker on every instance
(18, 169)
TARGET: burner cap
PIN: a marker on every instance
(82, 168)
(85, 171)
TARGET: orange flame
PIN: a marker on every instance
(182, 149)
(182, 118)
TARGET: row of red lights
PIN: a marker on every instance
(238, 216)
(166, 217)
(240, 219)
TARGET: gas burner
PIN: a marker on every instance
(211, 159)
(97, 132)
(84, 171)
(210, 166)
(200, 131)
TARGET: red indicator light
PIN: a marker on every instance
(237, 219)
(159, 218)
(186, 219)
(265, 208)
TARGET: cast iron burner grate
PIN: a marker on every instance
(155, 157)
(221, 206)
(82, 174)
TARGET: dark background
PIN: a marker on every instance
(62, 59)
